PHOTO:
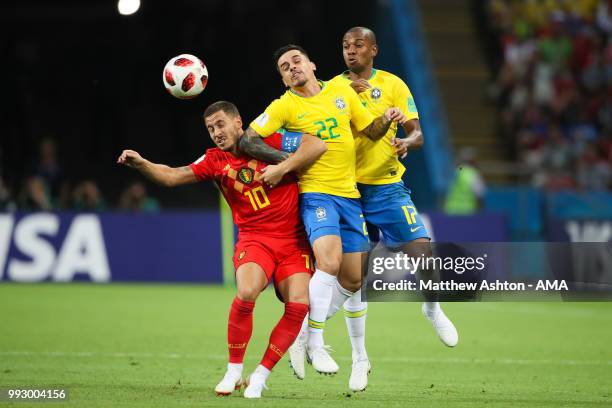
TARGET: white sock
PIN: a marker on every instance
(339, 296)
(235, 368)
(262, 371)
(432, 308)
(320, 292)
(303, 335)
(355, 313)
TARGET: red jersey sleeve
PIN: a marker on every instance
(205, 167)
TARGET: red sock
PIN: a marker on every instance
(284, 333)
(239, 329)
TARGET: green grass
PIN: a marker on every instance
(164, 346)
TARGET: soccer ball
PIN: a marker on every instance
(185, 76)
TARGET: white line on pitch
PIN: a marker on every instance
(402, 360)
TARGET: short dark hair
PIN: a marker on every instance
(224, 106)
(366, 31)
(279, 53)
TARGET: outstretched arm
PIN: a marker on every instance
(252, 144)
(159, 173)
(310, 149)
(379, 126)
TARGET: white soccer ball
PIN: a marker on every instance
(185, 76)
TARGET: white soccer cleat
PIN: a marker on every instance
(443, 326)
(232, 381)
(255, 385)
(297, 358)
(359, 375)
(321, 361)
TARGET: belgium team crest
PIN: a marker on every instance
(246, 175)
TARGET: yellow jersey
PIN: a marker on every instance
(328, 115)
(377, 162)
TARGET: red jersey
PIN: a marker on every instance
(256, 208)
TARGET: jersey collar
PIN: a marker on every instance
(345, 74)
(321, 84)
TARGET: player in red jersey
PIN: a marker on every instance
(272, 244)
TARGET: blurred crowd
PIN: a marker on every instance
(47, 189)
(553, 87)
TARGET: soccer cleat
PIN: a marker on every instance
(443, 326)
(297, 358)
(232, 381)
(256, 383)
(359, 375)
(321, 361)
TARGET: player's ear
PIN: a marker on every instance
(314, 67)
(374, 50)
(238, 121)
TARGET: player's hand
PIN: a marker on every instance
(272, 174)
(360, 85)
(395, 115)
(130, 158)
(401, 146)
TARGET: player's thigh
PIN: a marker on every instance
(322, 225)
(353, 230)
(254, 265)
(251, 280)
(294, 288)
(293, 271)
(351, 271)
(394, 214)
(417, 248)
(328, 253)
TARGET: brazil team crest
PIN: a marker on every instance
(376, 93)
(340, 104)
(321, 213)
(246, 175)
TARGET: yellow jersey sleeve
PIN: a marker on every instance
(360, 116)
(273, 118)
(405, 101)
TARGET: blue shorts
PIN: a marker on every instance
(390, 209)
(326, 214)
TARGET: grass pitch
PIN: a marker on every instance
(164, 346)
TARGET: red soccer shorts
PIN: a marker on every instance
(278, 257)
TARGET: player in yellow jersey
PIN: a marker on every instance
(329, 199)
(385, 200)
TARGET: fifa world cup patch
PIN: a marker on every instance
(376, 93)
(246, 175)
(241, 255)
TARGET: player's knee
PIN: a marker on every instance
(248, 294)
(352, 284)
(298, 298)
(329, 265)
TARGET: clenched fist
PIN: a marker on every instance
(131, 158)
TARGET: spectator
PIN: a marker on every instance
(6, 201)
(135, 198)
(87, 197)
(467, 190)
(35, 195)
(48, 167)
